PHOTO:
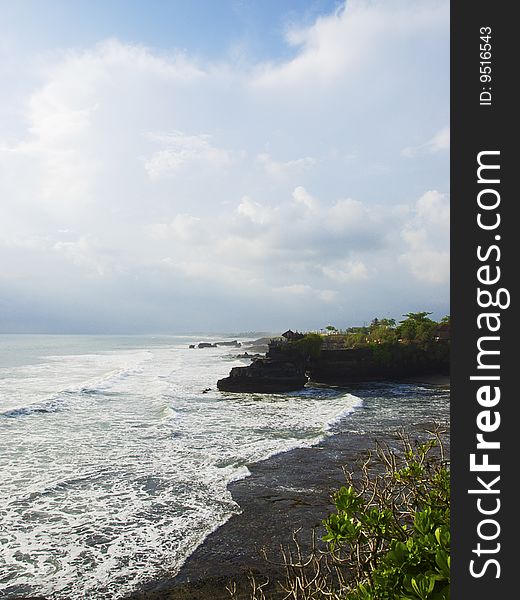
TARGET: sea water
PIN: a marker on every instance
(115, 457)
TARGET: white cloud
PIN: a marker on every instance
(428, 266)
(338, 46)
(435, 208)
(183, 227)
(438, 143)
(182, 150)
(301, 292)
(281, 170)
(82, 253)
(302, 197)
(81, 118)
(297, 289)
(427, 236)
(254, 211)
(329, 296)
(347, 271)
(347, 214)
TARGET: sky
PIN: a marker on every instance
(243, 165)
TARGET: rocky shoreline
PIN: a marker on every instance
(285, 493)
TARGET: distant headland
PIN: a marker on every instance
(415, 347)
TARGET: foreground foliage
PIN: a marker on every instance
(388, 539)
(394, 533)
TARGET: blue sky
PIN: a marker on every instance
(205, 25)
(206, 28)
(222, 166)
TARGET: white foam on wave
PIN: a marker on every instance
(46, 387)
(335, 420)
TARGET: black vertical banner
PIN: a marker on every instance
(485, 266)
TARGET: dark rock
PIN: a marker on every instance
(260, 349)
(206, 345)
(234, 344)
(265, 375)
(260, 344)
(247, 355)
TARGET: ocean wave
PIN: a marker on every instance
(51, 405)
(356, 403)
(66, 398)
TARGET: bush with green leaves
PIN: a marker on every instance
(309, 346)
(392, 529)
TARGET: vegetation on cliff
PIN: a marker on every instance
(382, 335)
(307, 347)
(382, 350)
(416, 328)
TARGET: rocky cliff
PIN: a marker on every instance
(266, 375)
(284, 370)
(395, 361)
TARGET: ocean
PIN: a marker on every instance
(116, 452)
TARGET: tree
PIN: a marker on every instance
(417, 327)
(418, 317)
(374, 323)
(382, 334)
(382, 330)
(387, 322)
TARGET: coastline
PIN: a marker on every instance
(287, 492)
(292, 491)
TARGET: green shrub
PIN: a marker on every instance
(309, 346)
(394, 533)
